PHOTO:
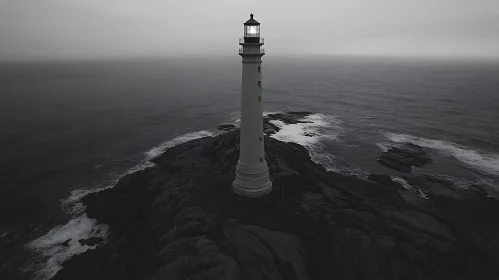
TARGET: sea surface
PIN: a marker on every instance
(70, 128)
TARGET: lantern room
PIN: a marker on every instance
(252, 31)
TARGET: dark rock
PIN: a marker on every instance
(480, 190)
(382, 179)
(226, 127)
(302, 114)
(404, 158)
(269, 129)
(66, 243)
(92, 241)
(113, 257)
(287, 118)
(185, 223)
(438, 186)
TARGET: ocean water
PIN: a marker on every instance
(70, 128)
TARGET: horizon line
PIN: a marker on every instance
(464, 58)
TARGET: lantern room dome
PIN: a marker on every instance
(251, 21)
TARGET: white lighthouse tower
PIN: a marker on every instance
(252, 173)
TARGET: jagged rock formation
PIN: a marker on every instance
(404, 158)
(226, 127)
(180, 220)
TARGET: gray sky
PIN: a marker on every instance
(62, 29)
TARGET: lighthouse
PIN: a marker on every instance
(252, 173)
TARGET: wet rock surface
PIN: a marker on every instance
(181, 220)
(439, 186)
(226, 127)
(92, 241)
(405, 157)
(66, 243)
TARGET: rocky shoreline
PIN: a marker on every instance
(180, 220)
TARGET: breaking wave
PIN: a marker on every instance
(383, 147)
(158, 150)
(318, 127)
(63, 241)
(410, 187)
(478, 160)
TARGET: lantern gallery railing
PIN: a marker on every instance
(241, 41)
(247, 52)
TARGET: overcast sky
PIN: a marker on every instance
(74, 29)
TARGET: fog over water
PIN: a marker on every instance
(94, 29)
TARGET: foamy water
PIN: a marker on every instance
(383, 147)
(484, 162)
(410, 187)
(158, 150)
(320, 127)
(51, 248)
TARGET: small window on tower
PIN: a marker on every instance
(259, 69)
(259, 99)
(259, 83)
(260, 138)
(261, 159)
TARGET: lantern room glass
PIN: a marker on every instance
(252, 31)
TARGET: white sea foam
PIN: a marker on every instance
(410, 187)
(73, 204)
(158, 150)
(383, 147)
(271, 112)
(235, 117)
(319, 127)
(50, 246)
(478, 160)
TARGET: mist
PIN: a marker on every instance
(95, 29)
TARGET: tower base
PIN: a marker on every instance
(252, 180)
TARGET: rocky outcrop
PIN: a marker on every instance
(226, 127)
(92, 241)
(181, 220)
(269, 128)
(439, 186)
(404, 158)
